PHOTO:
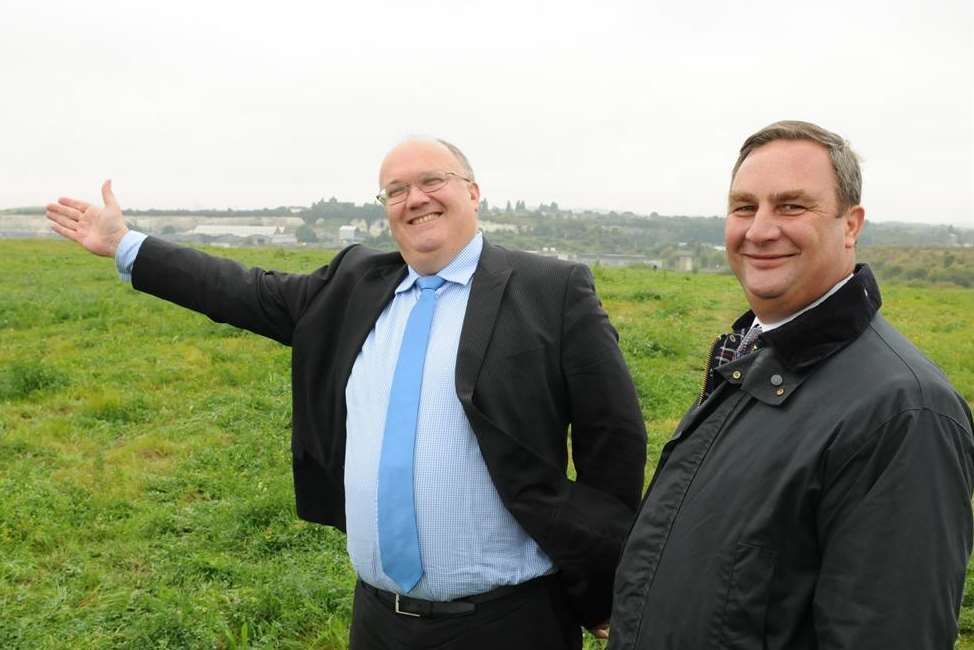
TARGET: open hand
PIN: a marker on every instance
(97, 229)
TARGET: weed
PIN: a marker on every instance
(21, 378)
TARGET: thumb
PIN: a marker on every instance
(107, 196)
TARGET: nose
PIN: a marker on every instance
(763, 228)
(416, 197)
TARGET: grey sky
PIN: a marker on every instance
(625, 105)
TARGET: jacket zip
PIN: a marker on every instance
(707, 371)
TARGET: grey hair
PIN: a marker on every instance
(845, 161)
(462, 159)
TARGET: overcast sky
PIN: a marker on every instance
(618, 105)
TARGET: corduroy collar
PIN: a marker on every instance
(823, 331)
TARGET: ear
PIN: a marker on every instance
(854, 219)
(474, 192)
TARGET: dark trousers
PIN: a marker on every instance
(534, 618)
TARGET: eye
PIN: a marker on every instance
(743, 210)
(393, 191)
(792, 208)
(432, 181)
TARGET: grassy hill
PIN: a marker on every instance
(145, 481)
(943, 266)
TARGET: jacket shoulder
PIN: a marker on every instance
(361, 258)
(880, 383)
(900, 371)
(540, 265)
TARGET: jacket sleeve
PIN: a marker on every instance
(895, 536)
(265, 302)
(608, 442)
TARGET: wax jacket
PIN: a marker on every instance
(537, 355)
(819, 497)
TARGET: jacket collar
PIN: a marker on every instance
(489, 282)
(823, 331)
(788, 354)
(378, 285)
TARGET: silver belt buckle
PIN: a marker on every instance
(404, 612)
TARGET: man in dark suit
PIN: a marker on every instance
(493, 545)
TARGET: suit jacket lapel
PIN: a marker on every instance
(486, 293)
(369, 297)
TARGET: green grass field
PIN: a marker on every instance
(145, 482)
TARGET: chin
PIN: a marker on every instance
(764, 291)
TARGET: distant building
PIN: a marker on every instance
(551, 251)
(613, 259)
(235, 230)
(284, 240)
(684, 263)
(24, 226)
(493, 226)
(348, 235)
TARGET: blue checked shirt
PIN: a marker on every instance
(469, 542)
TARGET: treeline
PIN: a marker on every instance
(895, 233)
(548, 225)
(921, 265)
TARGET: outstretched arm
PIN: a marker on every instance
(97, 229)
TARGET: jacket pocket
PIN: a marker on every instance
(742, 623)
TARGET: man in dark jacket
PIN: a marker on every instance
(445, 461)
(818, 494)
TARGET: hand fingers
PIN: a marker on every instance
(65, 232)
(107, 195)
(81, 206)
(61, 220)
(63, 210)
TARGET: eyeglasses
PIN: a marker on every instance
(428, 182)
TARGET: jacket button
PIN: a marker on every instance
(780, 392)
(736, 374)
(776, 380)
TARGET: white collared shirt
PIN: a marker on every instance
(767, 327)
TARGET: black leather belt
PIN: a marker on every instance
(431, 608)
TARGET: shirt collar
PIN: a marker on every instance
(767, 327)
(818, 333)
(459, 270)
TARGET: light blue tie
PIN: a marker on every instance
(398, 536)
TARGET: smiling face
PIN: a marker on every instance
(788, 239)
(430, 228)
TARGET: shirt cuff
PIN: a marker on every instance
(126, 253)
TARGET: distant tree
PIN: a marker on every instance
(508, 208)
(554, 206)
(305, 234)
(484, 207)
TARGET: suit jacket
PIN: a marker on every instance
(537, 355)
